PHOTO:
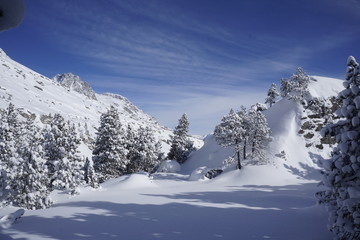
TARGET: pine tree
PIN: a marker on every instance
(271, 95)
(29, 187)
(247, 127)
(72, 153)
(341, 174)
(60, 146)
(259, 133)
(181, 146)
(231, 133)
(285, 87)
(9, 135)
(301, 81)
(143, 156)
(90, 175)
(296, 87)
(109, 154)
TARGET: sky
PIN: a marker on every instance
(199, 57)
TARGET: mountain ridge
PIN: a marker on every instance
(74, 83)
(36, 95)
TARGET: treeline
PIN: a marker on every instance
(36, 160)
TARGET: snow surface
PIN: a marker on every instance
(237, 204)
(169, 166)
(325, 87)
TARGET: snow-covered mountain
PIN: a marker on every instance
(74, 83)
(38, 96)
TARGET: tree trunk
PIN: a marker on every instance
(253, 147)
(238, 158)
(244, 149)
(253, 143)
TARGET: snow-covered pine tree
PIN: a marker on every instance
(341, 174)
(130, 140)
(72, 153)
(109, 154)
(143, 156)
(301, 81)
(53, 143)
(285, 87)
(296, 87)
(29, 187)
(9, 133)
(231, 133)
(181, 146)
(271, 95)
(90, 175)
(259, 133)
(60, 144)
(247, 126)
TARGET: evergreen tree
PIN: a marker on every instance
(247, 127)
(231, 133)
(259, 133)
(60, 146)
(285, 87)
(271, 95)
(9, 135)
(72, 153)
(90, 175)
(143, 156)
(341, 174)
(109, 154)
(181, 146)
(29, 186)
(296, 87)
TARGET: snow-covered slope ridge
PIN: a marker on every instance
(285, 119)
(74, 83)
(36, 94)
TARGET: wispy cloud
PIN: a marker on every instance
(205, 106)
(170, 62)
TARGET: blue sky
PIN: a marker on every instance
(200, 57)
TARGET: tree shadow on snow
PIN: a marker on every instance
(306, 171)
(254, 196)
(231, 215)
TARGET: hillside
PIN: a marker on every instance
(285, 119)
(38, 96)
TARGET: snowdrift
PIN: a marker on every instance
(287, 150)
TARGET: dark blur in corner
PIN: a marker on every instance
(11, 13)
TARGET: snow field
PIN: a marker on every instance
(137, 207)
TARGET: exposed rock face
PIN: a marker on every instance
(74, 83)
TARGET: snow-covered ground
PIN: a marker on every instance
(259, 202)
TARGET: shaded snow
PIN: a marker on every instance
(228, 207)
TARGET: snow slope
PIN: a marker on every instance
(284, 119)
(36, 94)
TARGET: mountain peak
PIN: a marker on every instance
(74, 82)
